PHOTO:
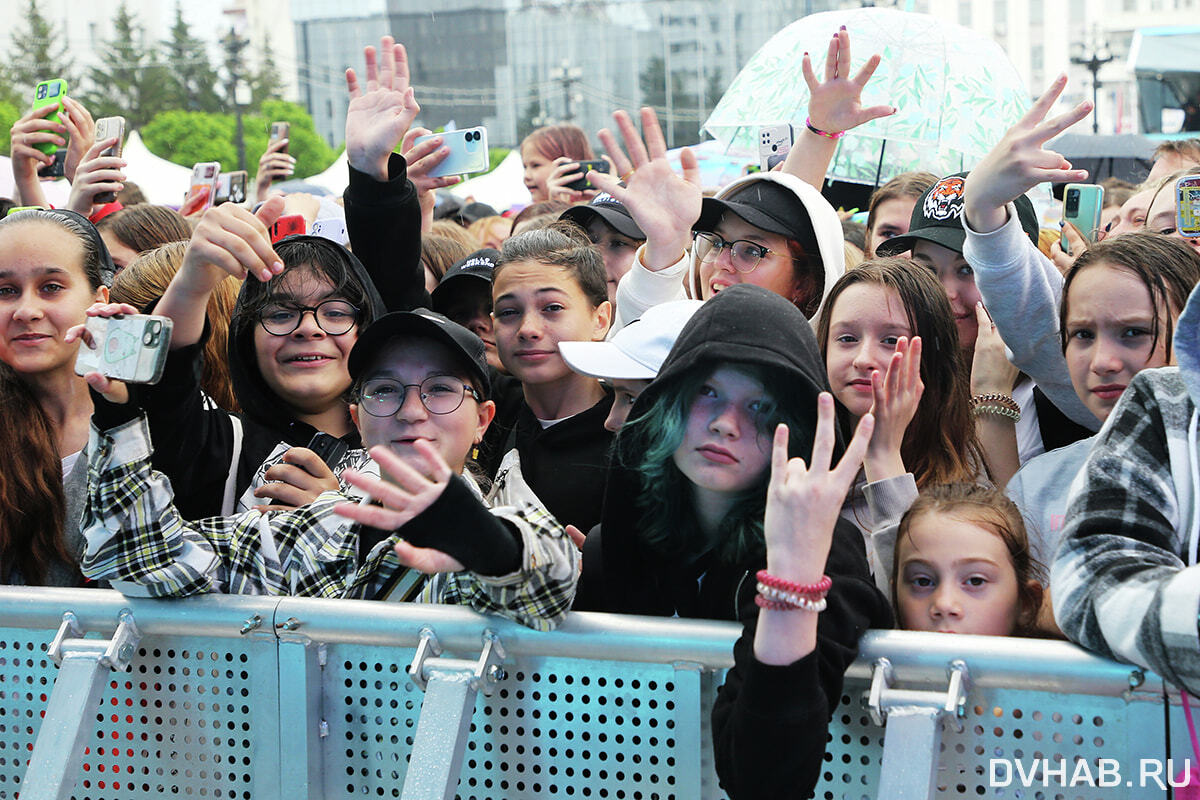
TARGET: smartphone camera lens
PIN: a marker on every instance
(41, 93)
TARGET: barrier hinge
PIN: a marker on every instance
(883, 697)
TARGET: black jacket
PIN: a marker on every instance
(195, 443)
(768, 731)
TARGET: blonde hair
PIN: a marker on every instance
(146, 279)
(452, 230)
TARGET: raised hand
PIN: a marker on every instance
(425, 157)
(804, 500)
(96, 174)
(991, 371)
(1020, 161)
(897, 393)
(29, 130)
(662, 203)
(82, 129)
(297, 480)
(378, 118)
(231, 241)
(275, 164)
(406, 494)
(835, 104)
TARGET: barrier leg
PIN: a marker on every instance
(912, 740)
(450, 686)
(84, 667)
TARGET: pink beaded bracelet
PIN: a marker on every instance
(820, 587)
(802, 604)
(808, 124)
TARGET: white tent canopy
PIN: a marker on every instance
(335, 178)
(163, 182)
(502, 188)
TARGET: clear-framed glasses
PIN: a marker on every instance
(335, 317)
(440, 394)
(743, 254)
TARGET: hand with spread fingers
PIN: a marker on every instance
(896, 397)
(297, 480)
(378, 118)
(1021, 161)
(407, 492)
(663, 203)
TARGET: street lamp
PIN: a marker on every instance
(567, 76)
(1099, 57)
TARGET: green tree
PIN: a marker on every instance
(129, 80)
(9, 113)
(37, 52)
(266, 83)
(191, 79)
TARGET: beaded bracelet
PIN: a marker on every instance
(996, 399)
(999, 411)
(808, 124)
(803, 604)
(791, 598)
(820, 587)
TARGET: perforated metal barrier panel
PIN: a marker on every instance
(608, 707)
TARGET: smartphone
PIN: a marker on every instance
(288, 225)
(1187, 206)
(599, 165)
(231, 188)
(279, 130)
(131, 347)
(468, 151)
(330, 448)
(48, 93)
(56, 170)
(1082, 204)
(205, 177)
(331, 228)
(774, 143)
(107, 128)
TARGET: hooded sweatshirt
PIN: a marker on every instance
(765, 716)
(1126, 581)
(210, 455)
(641, 289)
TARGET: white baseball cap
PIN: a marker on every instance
(638, 350)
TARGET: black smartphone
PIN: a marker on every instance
(57, 169)
(582, 184)
(330, 448)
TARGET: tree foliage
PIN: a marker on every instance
(130, 80)
(266, 83)
(188, 137)
(37, 52)
(191, 79)
(9, 113)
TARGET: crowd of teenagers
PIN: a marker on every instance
(642, 399)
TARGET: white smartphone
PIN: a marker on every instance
(205, 177)
(468, 151)
(774, 143)
(131, 347)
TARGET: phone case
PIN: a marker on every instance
(1187, 206)
(205, 177)
(48, 93)
(329, 448)
(580, 185)
(132, 348)
(1082, 204)
(468, 151)
(774, 143)
(288, 225)
(106, 128)
(237, 187)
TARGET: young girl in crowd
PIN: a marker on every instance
(963, 565)
(549, 287)
(133, 231)
(550, 156)
(51, 264)
(891, 207)
(695, 508)
(611, 228)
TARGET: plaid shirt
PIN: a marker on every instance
(136, 538)
(1121, 580)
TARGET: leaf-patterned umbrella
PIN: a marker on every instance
(956, 91)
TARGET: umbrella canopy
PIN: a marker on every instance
(956, 91)
(1126, 156)
(163, 182)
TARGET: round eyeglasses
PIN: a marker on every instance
(335, 317)
(743, 254)
(440, 394)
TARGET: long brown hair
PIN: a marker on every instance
(146, 279)
(940, 445)
(144, 227)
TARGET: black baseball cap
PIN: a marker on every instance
(764, 204)
(476, 267)
(429, 324)
(937, 218)
(610, 210)
(475, 211)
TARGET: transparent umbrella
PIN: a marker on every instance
(956, 93)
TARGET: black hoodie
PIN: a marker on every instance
(769, 723)
(195, 443)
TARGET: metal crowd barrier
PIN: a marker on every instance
(289, 698)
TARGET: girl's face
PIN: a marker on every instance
(1161, 217)
(958, 279)
(625, 394)
(891, 219)
(864, 325)
(43, 292)
(775, 272)
(724, 449)
(1131, 217)
(1110, 319)
(308, 368)
(617, 250)
(954, 576)
(122, 254)
(535, 307)
(537, 170)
